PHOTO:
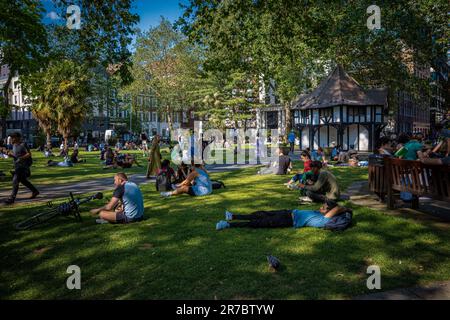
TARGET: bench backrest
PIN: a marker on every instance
(418, 178)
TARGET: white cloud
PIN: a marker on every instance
(53, 15)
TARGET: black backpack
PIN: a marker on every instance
(216, 184)
(163, 181)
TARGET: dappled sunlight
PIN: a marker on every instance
(176, 252)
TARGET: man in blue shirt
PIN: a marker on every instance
(291, 139)
(130, 196)
(284, 218)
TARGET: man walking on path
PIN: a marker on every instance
(22, 163)
(291, 139)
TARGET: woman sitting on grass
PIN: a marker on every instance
(197, 183)
(74, 157)
(307, 174)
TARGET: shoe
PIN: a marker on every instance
(9, 201)
(228, 216)
(101, 221)
(305, 199)
(34, 195)
(222, 225)
(166, 194)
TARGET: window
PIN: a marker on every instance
(154, 117)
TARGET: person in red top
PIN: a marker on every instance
(307, 171)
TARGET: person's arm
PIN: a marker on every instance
(318, 185)
(110, 206)
(189, 179)
(335, 211)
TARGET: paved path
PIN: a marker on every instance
(49, 192)
(433, 212)
(433, 291)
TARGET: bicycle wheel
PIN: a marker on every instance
(36, 220)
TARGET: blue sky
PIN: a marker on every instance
(150, 11)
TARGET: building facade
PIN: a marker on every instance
(20, 118)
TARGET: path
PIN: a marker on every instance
(433, 212)
(49, 192)
(432, 291)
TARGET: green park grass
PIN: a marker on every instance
(92, 169)
(176, 253)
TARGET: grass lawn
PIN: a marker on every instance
(177, 254)
(42, 175)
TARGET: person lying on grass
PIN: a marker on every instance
(124, 161)
(129, 195)
(197, 183)
(284, 218)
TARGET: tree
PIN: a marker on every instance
(291, 40)
(70, 87)
(164, 66)
(22, 44)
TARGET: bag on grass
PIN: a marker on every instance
(163, 182)
(340, 222)
(216, 184)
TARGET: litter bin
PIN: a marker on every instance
(378, 180)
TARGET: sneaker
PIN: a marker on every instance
(101, 221)
(228, 216)
(222, 225)
(166, 194)
(305, 199)
(9, 201)
(34, 195)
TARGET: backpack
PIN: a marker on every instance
(163, 181)
(340, 222)
(216, 184)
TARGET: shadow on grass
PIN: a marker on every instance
(177, 254)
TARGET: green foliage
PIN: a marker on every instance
(164, 67)
(22, 43)
(292, 41)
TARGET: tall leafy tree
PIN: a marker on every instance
(164, 66)
(23, 44)
(290, 40)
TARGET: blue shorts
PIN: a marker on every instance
(121, 218)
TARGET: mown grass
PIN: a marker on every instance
(176, 253)
(92, 169)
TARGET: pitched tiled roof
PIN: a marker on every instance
(341, 89)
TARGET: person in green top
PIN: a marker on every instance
(325, 188)
(413, 146)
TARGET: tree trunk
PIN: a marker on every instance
(66, 143)
(169, 121)
(49, 139)
(288, 119)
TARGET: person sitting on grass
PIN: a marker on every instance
(166, 168)
(74, 157)
(318, 155)
(325, 188)
(130, 196)
(182, 173)
(284, 218)
(197, 183)
(281, 166)
(307, 171)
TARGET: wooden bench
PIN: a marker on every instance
(417, 178)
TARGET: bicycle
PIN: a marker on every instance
(70, 208)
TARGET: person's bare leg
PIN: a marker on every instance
(109, 216)
(180, 190)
